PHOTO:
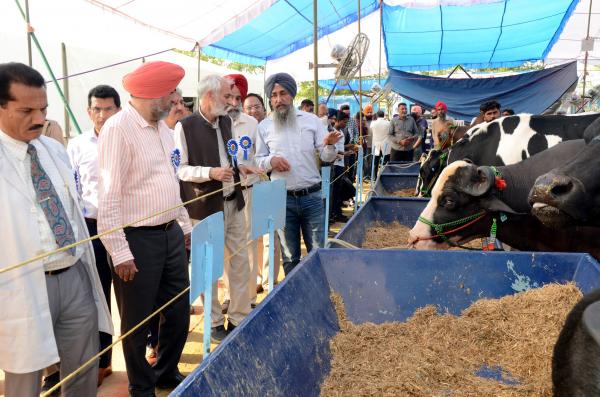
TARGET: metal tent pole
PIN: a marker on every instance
(315, 56)
(585, 63)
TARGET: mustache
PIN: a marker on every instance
(36, 127)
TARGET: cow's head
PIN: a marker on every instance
(430, 169)
(461, 191)
(570, 195)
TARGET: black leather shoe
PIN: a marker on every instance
(225, 306)
(218, 333)
(170, 382)
(230, 328)
(49, 382)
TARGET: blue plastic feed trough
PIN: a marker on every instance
(387, 184)
(401, 167)
(384, 211)
(282, 348)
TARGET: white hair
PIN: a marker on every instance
(211, 83)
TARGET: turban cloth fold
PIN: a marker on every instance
(240, 82)
(442, 105)
(284, 80)
(153, 80)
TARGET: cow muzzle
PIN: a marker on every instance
(557, 200)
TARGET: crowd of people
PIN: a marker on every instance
(143, 156)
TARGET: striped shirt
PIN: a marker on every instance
(137, 178)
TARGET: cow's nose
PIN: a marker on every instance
(552, 189)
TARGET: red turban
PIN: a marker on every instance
(153, 80)
(240, 82)
(442, 105)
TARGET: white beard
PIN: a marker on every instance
(234, 112)
(285, 120)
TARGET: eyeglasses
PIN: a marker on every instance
(253, 107)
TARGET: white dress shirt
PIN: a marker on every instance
(200, 174)
(380, 129)
(137, 179)
(246, 125)
(17, 150)
(83, 153)
(297, 147)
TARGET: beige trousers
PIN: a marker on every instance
(236, 269)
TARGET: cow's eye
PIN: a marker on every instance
(448, 202)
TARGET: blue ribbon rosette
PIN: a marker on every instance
(232, 150)
(175, 159)
(245, 144)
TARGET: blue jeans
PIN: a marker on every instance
(303, 214)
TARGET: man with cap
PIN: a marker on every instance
(286, 146)
(206, 167)
(440, 128)
(138, 164)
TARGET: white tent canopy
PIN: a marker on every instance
(100, 33)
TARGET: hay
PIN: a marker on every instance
(437, 355)
(395, 235)
(408, 192)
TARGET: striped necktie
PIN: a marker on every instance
(50, 203)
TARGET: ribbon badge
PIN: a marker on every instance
(232, 150)
(245, 144)
(175, 159)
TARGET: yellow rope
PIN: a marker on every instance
(125, 335)
(91, 238)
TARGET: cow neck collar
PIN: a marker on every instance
(517, 189)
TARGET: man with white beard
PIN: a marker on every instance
(206, 167)
(286, 145)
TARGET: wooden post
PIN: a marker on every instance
(28, 33)
(65, 70)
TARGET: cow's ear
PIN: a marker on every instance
(481, 183)
(494, 204)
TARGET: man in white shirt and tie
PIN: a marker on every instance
(103, 102)
(52, 308)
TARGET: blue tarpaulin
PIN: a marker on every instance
(285, 27)
(367, 84)
(490, 34)
(531, 92)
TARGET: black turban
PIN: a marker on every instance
(284, 80)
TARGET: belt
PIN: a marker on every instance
(55, 272)
(247, 187)
(305, 191)
(164, 226)
(230, 197)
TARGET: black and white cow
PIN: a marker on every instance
(570, 194)
(506, 141)
(576, 358)
(469, 196)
